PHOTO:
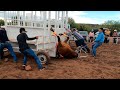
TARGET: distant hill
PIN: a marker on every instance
(87, 27)
(88, 24)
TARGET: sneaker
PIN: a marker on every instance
(95, 57)
(28, 68)
(6, 60)
(91, 55)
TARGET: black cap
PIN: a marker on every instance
(102, 29)
(22, 29)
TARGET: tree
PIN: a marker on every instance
(2, 22)
(87, 27)
(72, 23)
(112, 24)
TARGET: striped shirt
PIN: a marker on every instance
(77, 35)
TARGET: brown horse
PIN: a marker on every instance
(64, 49)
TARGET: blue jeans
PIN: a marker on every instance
(32, 53)
(94, 47)
(10, 49)
(1, 50)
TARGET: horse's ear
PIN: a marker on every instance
(51, 29)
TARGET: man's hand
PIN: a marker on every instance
(8, 41)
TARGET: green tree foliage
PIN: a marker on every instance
(112, 24)
(81, 27)
(87, 27)
(2, 22)
(72, 23)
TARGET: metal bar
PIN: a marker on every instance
(66, 19)
(49, 26)
(31, 18)
(23, 18)
(55, 19)
(44, 19)
(35, 20)
(62, 20)
(5, 18)
(18, 18)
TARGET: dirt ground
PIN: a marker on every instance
(106, 66)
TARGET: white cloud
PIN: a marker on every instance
(76, 13)
(1, 18)
(83, 19)
(79, 17)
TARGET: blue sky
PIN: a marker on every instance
(91, 17)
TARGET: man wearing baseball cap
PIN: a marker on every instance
(115, 35)
(25, 49)
(98, 41)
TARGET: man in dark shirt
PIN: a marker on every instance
(25, 49)
(4, 43)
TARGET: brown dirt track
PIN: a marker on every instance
(106, 66)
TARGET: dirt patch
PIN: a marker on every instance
(106, 66)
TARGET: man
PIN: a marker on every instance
(4, 43)
(25, 49)
(91, 36)
(107, 35)
(115, 35)
(80, 39)
(98, 41)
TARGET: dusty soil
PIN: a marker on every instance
(105, 66)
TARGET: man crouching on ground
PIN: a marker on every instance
(25, 49)
(4, 43)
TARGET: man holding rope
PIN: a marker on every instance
(5, 43)
(25, 49)
(98, 42)
(80, 39)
